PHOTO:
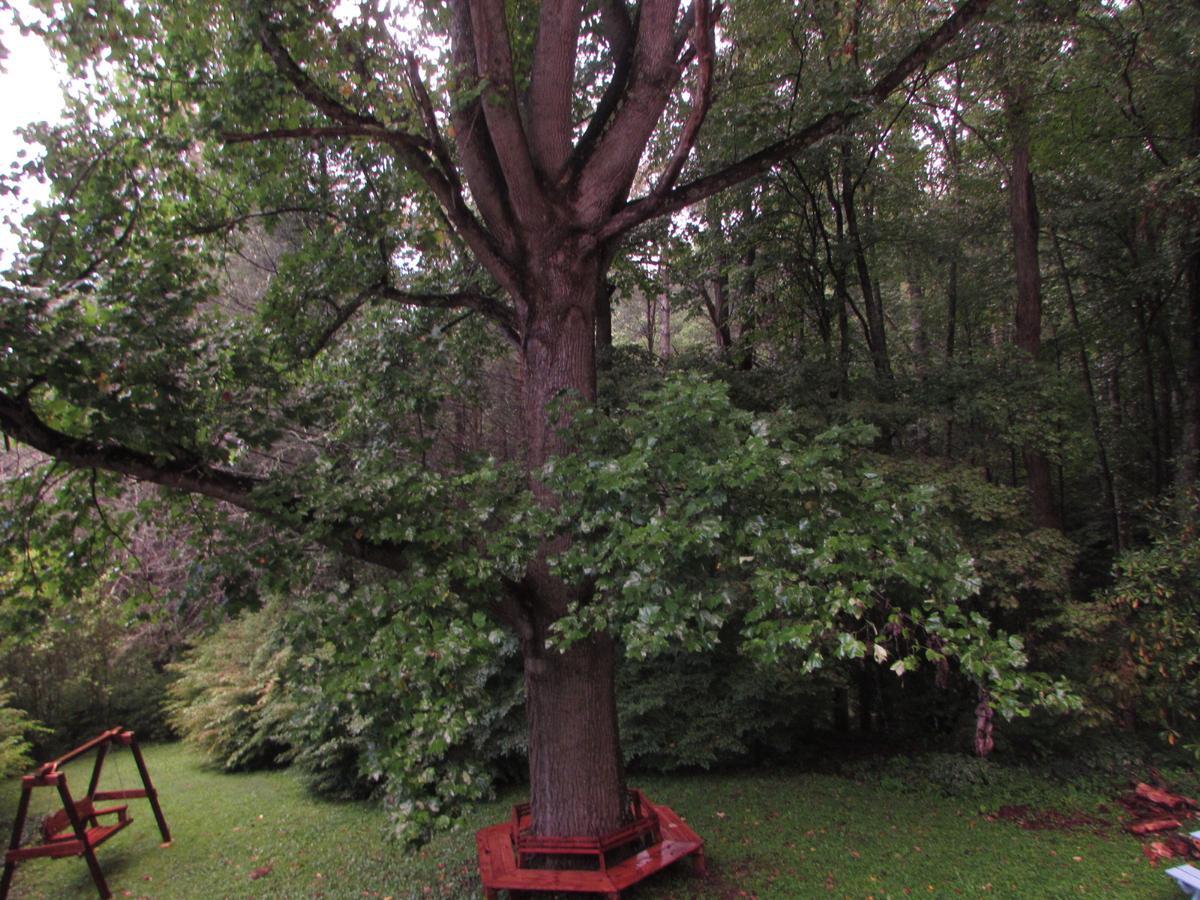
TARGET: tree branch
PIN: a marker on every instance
(501, 109)
(349, 130)
(21, 422)
(551, 86)
(609, 172)
(652, 206)
(499, 312)
(480, 164)
(413, 149)
(702, 43)
(620, 33)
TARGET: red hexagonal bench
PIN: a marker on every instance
(513, 859)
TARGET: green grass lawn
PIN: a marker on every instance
(770, 835)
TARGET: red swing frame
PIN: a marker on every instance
(75, 830)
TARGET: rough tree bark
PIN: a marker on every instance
(1023, 218)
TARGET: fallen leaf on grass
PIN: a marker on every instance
(260, 872)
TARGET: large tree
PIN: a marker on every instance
(516, 146)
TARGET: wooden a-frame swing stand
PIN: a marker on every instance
(76, 830)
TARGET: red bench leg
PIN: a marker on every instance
(699, 863)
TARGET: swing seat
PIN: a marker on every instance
(58, 822)
(66, 844)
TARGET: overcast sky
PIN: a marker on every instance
(30, 88)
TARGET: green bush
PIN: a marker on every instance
(15, 728)
(1143, 633)
(228, 699)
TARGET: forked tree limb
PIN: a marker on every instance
(651, 206)
(502, 110)
(610, 169)
(702, 44)
(414, 150)
(476, 153)
(551, 86)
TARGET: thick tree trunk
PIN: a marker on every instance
(575, 768)
(1024, 219)
(576, 778)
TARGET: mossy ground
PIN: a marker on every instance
(770, 834)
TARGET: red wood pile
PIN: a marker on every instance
(1157, 810)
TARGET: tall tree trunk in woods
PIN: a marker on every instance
(953, 155)
(951, 335)
(651, 302)
(1023, 216)
(1189, 467)
(875, 324)
(1170, 389)
(920, 344)
(747, 307)
(1158, 449)
(1116, 532)
(843, 321)
(716, 304)
(664, 325)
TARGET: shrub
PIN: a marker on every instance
(706, 710)
(1144, 631)
(15, 728)
(228, 699)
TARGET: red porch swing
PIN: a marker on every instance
(76, 829)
